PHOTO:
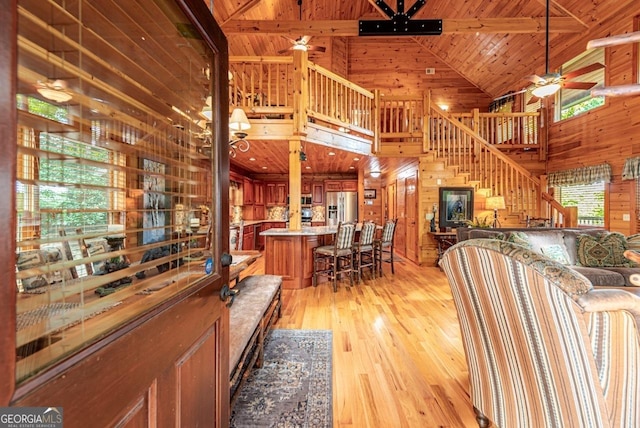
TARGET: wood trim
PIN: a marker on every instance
(8, 153)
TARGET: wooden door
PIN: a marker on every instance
(391, 201)
(162, 359)
(400, 242)
(411, 211)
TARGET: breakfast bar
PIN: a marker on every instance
(289, 253)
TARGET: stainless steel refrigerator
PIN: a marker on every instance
(341, 207)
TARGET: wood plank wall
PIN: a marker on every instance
(608, 134)
(405, 73)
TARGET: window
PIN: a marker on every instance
(589, 198)
(573, 102)
(115, 175)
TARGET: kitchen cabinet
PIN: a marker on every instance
(258, 192)
(306, 187)
(247, 191)
(248, 237)
(317, 193)
(276, 193)
(341, 185)
(258, 212)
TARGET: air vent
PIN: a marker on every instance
(430, 71)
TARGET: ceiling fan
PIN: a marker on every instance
(550, 83)
(302, 43)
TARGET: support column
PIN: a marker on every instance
(295, 185)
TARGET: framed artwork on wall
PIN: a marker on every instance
(369, 193)
(456, 207)
(154, 214)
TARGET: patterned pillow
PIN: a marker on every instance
(520, 238)
(556, 252)
(602, 250)
(633, 243)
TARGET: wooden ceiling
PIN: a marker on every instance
(486, 49)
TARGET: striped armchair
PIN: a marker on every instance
(544, 348)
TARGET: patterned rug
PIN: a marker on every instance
(293, 388)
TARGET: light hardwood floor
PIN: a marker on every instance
(398, 359)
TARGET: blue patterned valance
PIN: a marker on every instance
(631, 169)
(586, 175)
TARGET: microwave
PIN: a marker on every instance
(306, 200)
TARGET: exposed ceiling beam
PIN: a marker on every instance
(349, 28)
(241, 10)
(558, 9)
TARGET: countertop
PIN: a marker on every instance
(306, 231)
(252, 222)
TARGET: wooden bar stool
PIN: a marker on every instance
(336, 259)
(383, 247)
(363, 250)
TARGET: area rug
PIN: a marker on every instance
(293, 388)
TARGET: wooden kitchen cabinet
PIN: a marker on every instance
(248, 237)
(247, 191)
(258, 192)
(306, 187)
(276, 193)
(317, 193)
(341, 185)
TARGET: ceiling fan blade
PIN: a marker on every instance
(316, 48)
(284, 51)
(304, 40)
(615, 91)
(510, 94)
(578, 85)
(584, 70)
(614, 40)
(535, 79)
(533, 100)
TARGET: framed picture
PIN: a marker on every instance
(154, 201)
(369, 193)
(456, 206)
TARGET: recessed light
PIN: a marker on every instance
(332, 154)
(352, 167)
(252, 159)
(356, 159)
(307, 167)
(264, 167)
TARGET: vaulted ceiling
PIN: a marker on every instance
(486, 49)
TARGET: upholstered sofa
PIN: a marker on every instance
(593, 252)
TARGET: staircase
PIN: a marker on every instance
(468, 150)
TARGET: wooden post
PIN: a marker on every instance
(295, 185)
(426, 122)
(543, 130)
(300, 91)
(376, 121)
(476, 130)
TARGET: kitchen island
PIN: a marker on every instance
(289, 253)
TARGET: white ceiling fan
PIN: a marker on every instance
(621, 90)
(550, 83)
(302, 42)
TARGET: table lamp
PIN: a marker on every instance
(495, 203)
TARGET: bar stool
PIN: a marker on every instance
(363, 250)
(336, 259)
(383, 247)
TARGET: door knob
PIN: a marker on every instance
(226, 259)
(226, 293)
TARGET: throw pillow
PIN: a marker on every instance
(602, 250)
(556, 252)
(520, 238)
(633, 243)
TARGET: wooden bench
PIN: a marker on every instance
(254, 311)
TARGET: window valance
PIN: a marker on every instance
(586, 175)
(631, 169)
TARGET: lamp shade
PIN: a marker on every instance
(495, 203)
(238, 120)
(546, 90)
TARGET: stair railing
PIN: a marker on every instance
(458, 144)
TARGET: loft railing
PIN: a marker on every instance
(294, 88)
(509, 130)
